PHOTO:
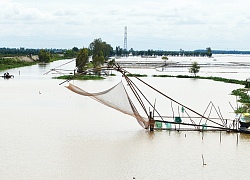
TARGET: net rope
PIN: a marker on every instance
(116, 98)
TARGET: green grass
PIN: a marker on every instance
(9, 63)
(163, 76)
(136, 75)
(80, 77)
(225, 80)
(56, 57)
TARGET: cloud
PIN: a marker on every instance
(15, 12)
(159, 23)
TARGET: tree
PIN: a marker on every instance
(100, 52)
(195, 68)
(44, 56)
(98, 60)
(75, 49)
(69, 54)
(118, 51)
(111, 62)
(82, 58)
(209, 52)
(164, 58)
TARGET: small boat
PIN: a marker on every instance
(244, 123)
(7, 76)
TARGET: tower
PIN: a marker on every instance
(125, 38)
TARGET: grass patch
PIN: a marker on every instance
(163, 76)
(80, 77)
(111, 75)
(243, 98)
(232, 81)
(225, 80)
(56, 57)
(9, 63)
(136, 75)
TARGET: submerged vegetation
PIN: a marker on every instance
(136, 75)
(225, 80)
(80, 77)
(243, 98)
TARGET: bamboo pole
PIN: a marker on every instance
(203, 161)
(118, 68)
(220, 136)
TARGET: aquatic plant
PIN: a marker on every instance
(136, 75)
(80, 77)
(225, 80)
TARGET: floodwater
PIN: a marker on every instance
(49, 132)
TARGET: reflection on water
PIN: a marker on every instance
(56, 134)
(42, 65)
(245, 137)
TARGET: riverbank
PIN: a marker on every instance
(21, 61)
(15, 62)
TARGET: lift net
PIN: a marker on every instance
(116, 98)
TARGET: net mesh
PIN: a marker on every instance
(116, 98)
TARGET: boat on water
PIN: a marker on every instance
(7, 76)
(244, 120)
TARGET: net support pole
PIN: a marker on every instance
(151, 122)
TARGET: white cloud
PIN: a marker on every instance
(13, 12)
(160, 24)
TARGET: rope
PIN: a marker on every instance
(58, 67)
(118, 68)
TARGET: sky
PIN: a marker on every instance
(151, 24)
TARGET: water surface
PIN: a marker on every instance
(48, 132)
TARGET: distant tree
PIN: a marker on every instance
(82, 58)
(100, 52)
(150, 52)
(118, 51)
(195, 68)
(209, 52)
(98, 60)
(107, 50)
(44, 56)
(75, 49)
(70, 53)
(164, 58)
(111, 62)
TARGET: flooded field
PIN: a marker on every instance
(49, 132)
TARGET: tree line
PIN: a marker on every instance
(117, 51)
(96, 53)
(99, 52)
(26, 52)
(150, 52)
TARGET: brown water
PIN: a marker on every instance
(48, 132)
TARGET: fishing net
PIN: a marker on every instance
(116, 98)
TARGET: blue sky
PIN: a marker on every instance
(158, 24)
